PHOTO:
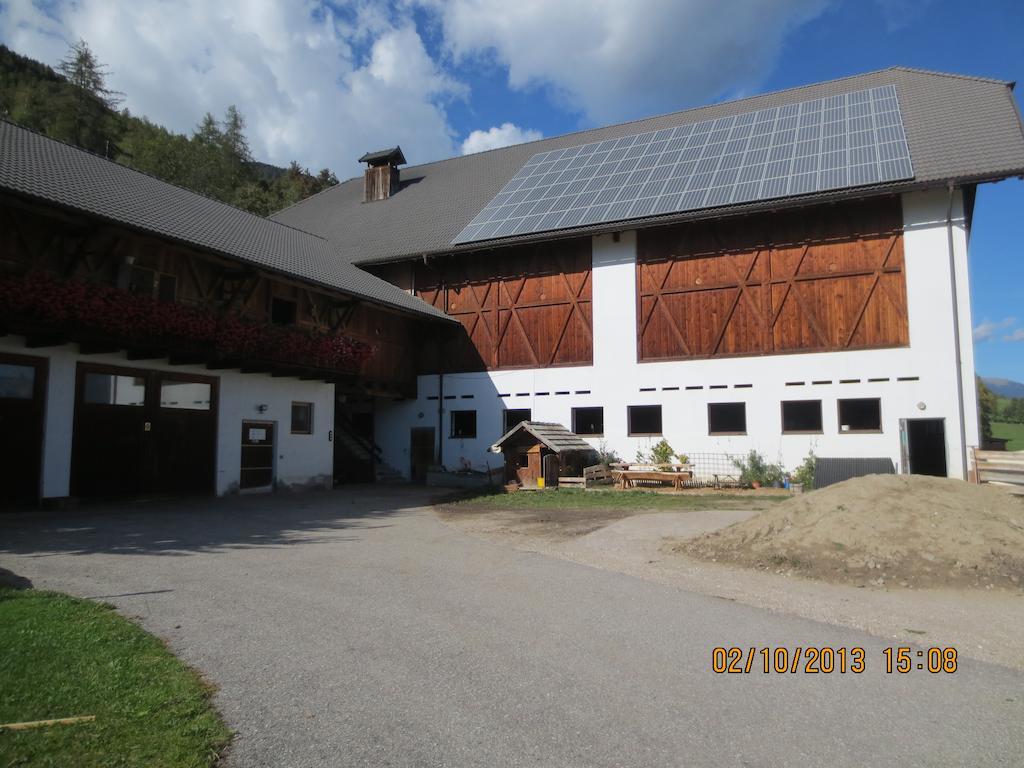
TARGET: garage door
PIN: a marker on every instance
(22, 391)
(140, 432)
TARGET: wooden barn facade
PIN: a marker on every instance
(796, 282)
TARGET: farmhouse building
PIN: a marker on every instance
(156, 341)
(785, 273)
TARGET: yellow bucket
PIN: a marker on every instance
(540, 482)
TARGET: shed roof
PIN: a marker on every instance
(551, 435)
(959, 128)
(394, 155)
(43, 169)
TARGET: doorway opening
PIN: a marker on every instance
(926, 447)
(421, 452)
(257, 470)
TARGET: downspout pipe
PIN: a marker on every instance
(440, 384)
(956, 330)
(440, 418)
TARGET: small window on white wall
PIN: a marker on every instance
(801, 417)
(727, 418)
(302, 418)
(644, 420)
(515, 416)
(588, 421)
(862, 414)
(463, 424)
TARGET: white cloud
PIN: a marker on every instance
(899, 14)
(312, 85)
(498, 136)
(987, 329)
(614, 60)
(1017, 335)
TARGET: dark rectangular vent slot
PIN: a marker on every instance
(908, 378)
(823, 381)
(696, 386)
(582, 391)
(794, 383)
(849, 381)
(880, 378)
(670, 389)
(742, 386)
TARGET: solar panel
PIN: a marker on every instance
(847, 140)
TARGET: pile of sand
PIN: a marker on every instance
(884, 530)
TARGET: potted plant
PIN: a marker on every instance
(756, 472)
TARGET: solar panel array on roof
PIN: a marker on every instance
(847, 140)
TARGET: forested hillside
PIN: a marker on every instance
(72, 103)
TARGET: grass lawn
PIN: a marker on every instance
(64, 657)
(574, 498)
(1015, 433)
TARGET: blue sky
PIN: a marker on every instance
(323, 83)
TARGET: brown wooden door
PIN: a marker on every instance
(257, 469)
(184, 434)
(22, 394)
(421, 452)
(141, 432)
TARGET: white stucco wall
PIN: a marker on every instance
(615, 380)
(299, 459)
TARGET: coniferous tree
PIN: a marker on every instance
(75, 105)
(91, 101)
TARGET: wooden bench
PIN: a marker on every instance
(628, 478)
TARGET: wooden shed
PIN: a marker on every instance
(536, 449)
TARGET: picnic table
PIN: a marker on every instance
(628, 475)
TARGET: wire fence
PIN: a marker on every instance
(702, 470)
(714, 470)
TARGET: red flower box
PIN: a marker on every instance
(77, 308)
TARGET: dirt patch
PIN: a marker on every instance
(557, 524)
(882, 530)
(564, 515)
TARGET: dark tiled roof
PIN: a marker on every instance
(554, 436)
(47, 170)
(958, 128)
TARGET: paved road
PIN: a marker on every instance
(344, 630)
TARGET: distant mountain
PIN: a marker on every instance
(1005, 387)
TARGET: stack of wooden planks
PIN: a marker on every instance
(1001, 468)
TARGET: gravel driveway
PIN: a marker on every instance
(353, 628)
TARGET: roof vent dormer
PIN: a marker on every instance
(381, 179)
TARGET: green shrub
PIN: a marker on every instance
(754, 469)
(660, 453)
(804, 474)
(606, 455)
